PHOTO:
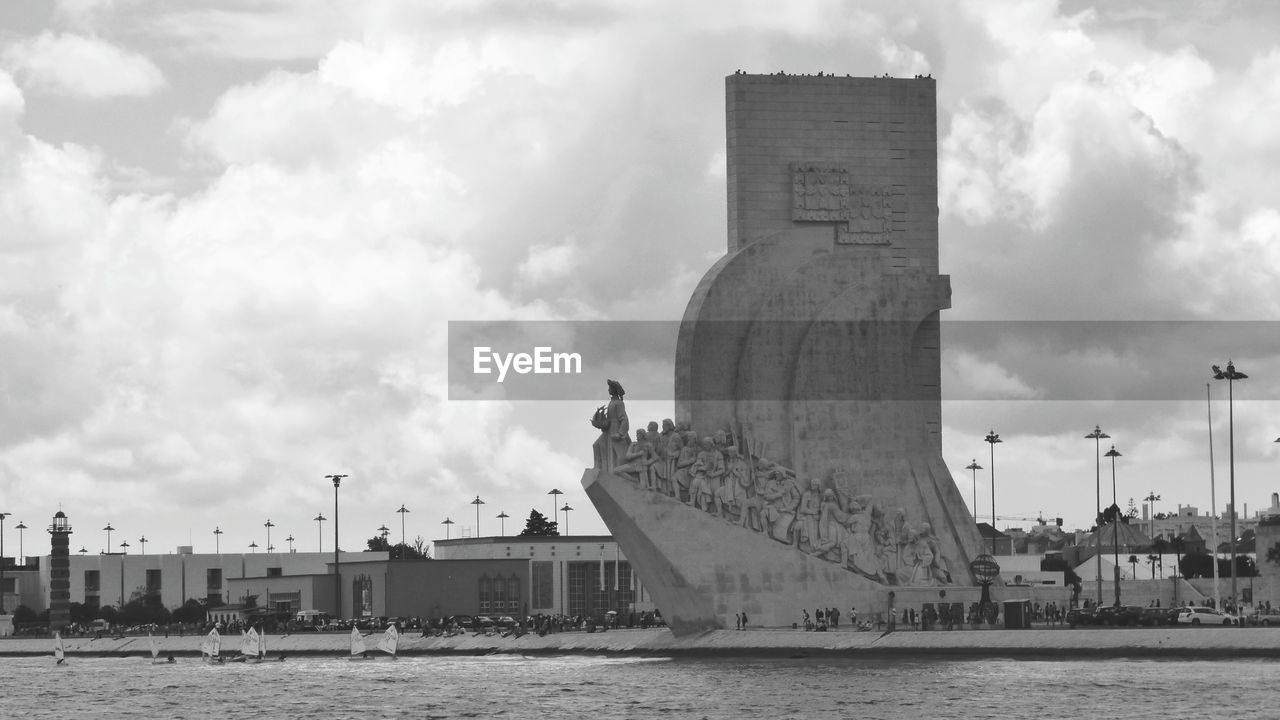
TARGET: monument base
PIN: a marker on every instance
(703, 571)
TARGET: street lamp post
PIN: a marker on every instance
(992, 438)
(290, 541)
(446, 523)
(3, 515)
(1115, 521)
(566, 510)
(477, 502)
(1097, 436)
(143, 542)
(124, 548)
(253, 546)
(22, 555)
(1231, 375)
(402, 512)
(109, 529)
(383, 532)
(337, 571)
(975, 467)
(217, 540)
(502, 519)
(555, 500)
(268, 525)
(320, 518)
(1152, 498)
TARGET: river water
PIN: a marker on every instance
(503, 686)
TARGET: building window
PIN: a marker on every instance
(362, 599)
(9, 586)
(541, 592)
(213, 586)
(485, 591)
(153, 582)
(275, 572)
(92, 581)
(513, 594)
(499, 594)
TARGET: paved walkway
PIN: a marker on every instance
(1094, 642)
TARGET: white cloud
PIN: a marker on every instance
(81, 66)
(966, 375)
(549, 263)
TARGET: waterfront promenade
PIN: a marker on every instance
(1032, 643)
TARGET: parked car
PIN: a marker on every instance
(1081, 616)
(1158, 616)
(1204, 616)
(1119, 615)
(1263, 617)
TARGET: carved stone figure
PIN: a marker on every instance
(635, 461)
(611, 420)
(782, 497)
(731, 492)
(707, 471)
(682, 475)
(807, 536)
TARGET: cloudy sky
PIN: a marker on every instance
(232, 235)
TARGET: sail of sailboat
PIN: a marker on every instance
(211, 645)
(357, 643)
(59, 653)
(155, 649)
(262, 646)
(249, 644)
(390, 640)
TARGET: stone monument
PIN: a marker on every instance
(805, 468)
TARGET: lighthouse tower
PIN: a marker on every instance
(60, 573)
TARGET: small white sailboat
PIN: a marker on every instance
(262, 647)
(155, 650)
(211, 646)
(249, 646)
(358, 649)
(390, 640)
(59, 653)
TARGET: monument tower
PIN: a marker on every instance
(808, 370)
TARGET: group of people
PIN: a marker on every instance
(713, 473)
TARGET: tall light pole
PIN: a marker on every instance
(975, 467)
(383, 532)
(268, 525)
(22, 556)
(337, 572)
(566, 510)
(124, 548)
(143, 542)
(1115, 521)
(502, 518)
(446, 523)
(290, 541)
(555, 500)
(108, 528)
(477, 502)
(320, 531)
(217, 540)
(1230, 375)
(1097, 436)
(253, 546)
(992, 438)
(402, 512)
(1151, 500)
(4, 515)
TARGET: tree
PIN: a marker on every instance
(1196, 565)
(378, 542)
(1069, 576)
(1133, 563)
(420, 546)
(1273, 554)
(23, 615)
(539, 526)
(192, 611)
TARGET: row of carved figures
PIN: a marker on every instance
(713, 474)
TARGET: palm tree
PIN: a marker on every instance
(1133, 563)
